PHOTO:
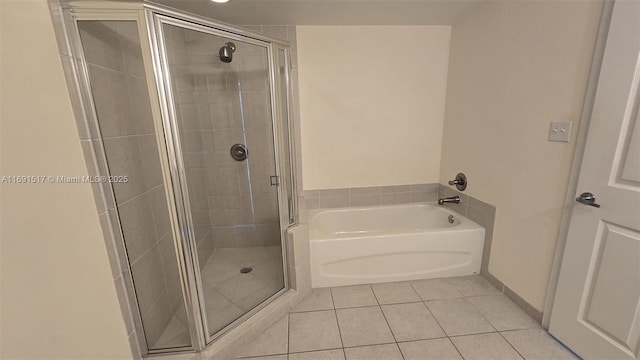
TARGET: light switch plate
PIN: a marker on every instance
(560, 131)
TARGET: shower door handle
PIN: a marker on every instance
(274, 180)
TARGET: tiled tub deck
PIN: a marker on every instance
(452, 318)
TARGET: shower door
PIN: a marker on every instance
(219, 122)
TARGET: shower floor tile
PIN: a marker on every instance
(229, 293)
(235, 291)
(435, 325)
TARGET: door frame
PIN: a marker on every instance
(576, 166)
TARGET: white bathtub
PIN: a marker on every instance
(391, 243)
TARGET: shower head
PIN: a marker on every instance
(226, 52)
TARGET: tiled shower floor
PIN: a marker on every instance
(452, 318)
(228, 293)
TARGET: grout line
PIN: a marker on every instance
(361, 346)
(103, 67)
(351, 308)
(400, 350)
(313, 351)
(288, 332)
(419, 340)
(335, 312)
(510, 344)
(310, 311)
(481, 314)
(136, 260)
(134, 197)
(384, 315)
(471, 334)
(424, 302)
(387, 321)
(455, 347)
(416, 291)
(154, 303)
(434, 318)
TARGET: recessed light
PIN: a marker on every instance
(220, 1)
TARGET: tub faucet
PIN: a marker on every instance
(453, 199)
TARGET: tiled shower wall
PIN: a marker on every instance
(112, 51)
(478, 211)
(288, 33)
(371, 196)
(192, 132)
(221, 104)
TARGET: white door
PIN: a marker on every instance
(596, 311)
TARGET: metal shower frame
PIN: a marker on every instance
(150, 18)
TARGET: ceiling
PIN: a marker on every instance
(330, 12)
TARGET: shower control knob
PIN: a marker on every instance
(460, 182)
(239, 152)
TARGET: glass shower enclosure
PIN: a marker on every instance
(195, 115)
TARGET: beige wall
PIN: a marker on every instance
(58, 297)
(515, 67)
(372, 104)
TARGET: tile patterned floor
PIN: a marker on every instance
(228, 294)
(452, 318)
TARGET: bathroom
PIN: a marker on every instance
(385, 103)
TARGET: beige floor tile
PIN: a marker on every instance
(214, 301)
(502, 313)
(375, 352)
(411, 322)
(353, 296)
(235, 255)
(474, 285)
(537, 344)
(434, 349)
(320, 299)
(458, 317)
(363, 326)
(176, 334)
(311, 331)
(219, 319)
(337, 354)
(239, 286)
(395, 293)
(485, 346)
(273, 341)
(269, 269)
(216, 272)
(260, 294)
(273, 357)
(258, 254)
(436, 289)
(468, 309)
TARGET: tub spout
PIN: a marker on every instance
(453, 199)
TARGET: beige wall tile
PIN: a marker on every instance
(148, 278)
(138, 227)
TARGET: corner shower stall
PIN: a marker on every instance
(189, 122)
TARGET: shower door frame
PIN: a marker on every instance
(145, 16)
(74, 12)
(157, 16)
